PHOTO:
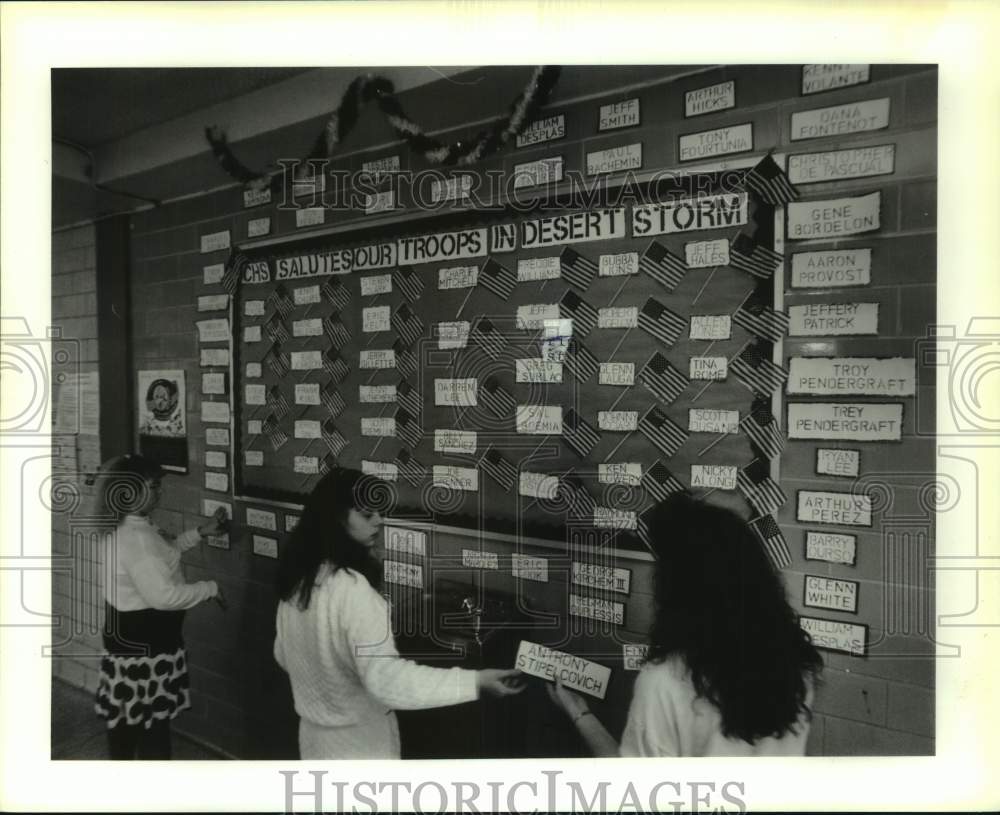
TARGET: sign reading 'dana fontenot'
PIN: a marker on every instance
(574, 672)
(863, 376)
(844, 421)
(842, 508)
(834, 635)
(834, 218)
(840, 120)
(834, 269)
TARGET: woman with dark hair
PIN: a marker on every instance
(729, 671)
(334, 636)
(144, 681)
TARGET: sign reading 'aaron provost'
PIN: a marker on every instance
(862, 376)
(574, 672)
(832, 269)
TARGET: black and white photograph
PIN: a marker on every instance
(532, 417)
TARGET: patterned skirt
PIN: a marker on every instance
(144, 670)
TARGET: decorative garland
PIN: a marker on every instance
(365, 89)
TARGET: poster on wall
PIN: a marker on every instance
(162, 427)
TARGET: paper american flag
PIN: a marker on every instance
(761, 320)
(499, 468)
(662, 379)
(407, 324)
(579, 436)
(335, 366)
(276, 330)
(581, 361)
(336, 293)
(761, 428)
(411, 469)
(335, 329)
(408, 398)
(332, 400)
(487, 337)
(407, 428)
(333, 438)
(770, 183)
(281, 301)
(277, 402)
(234, 268)
(496, 398)
(583, 315)
(751, 257)
(277, 361)
(275, 435)
(752, 367)
(775, 546)
(660, 322)
(408, 282)
(576, 269)
(756, 485)
(659, 482)
(498, 279)
(662, 265)
(656, 426)
(406, 361)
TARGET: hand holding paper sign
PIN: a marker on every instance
(599, 740)
(572, 704)
(218, 524)
(500, 682)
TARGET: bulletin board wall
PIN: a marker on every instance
(343, 344)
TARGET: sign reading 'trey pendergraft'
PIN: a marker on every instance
(862, 376)
(573, 671)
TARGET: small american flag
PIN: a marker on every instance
(756, 485)
(275, 435)
(579, 502)
(775, 546)
(749, 256)
(406, 362)
(407, 324)
(581, 361)
(333, 437)
(642, 533)
(757, 372)
(499, 468)
(577, 270)
(335, 366)
(498, 279)
(281, 301)
(407, 428)
(234, 268)
(659, 321)
(579, 436)
(662, 265)
(335, 329)
(327, 463)
(336, 293)
(770, 183)
(659, 482)
(277, 361)
(487, 337)
(761, 320)
(656, 426)
(276, 330)
(277, 402)
(411, 469)
(583, 315)
(408, 282)
(496, 398)
(408, 398)
(662, 379)
(762, 429)
(332, 400)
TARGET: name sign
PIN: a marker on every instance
(255, 394)
(534, 315)
(617, 265)
(529, 568)
(309, 216)
(708, 368)
(210, 357)
(578, 227)
(375, 318)
(213, 274)
(458, 277)
(617, 373)
(620, 472)
(262, 519)
(535, 173)
(380, 168)
(253, 458)
(376, 393)
(475, 559)
(403, 574)
(573, 672)
(834, 635)
(376, 284)
(312, 327)
(381, 426)
(832, 319)
(537, 370)
(453, 335)
(538, 269)
(217, 481)
(615, 160)
(607, 578)
(255, 198)
(306, 360)
(862, 376)
(214, 241)
(611, 518)
(308, 429)
(713, 476)
(213, 302)
(634, 656)
(455, 441)
(702, 254)
(834, 269)
(215, 458)
(213, 384)
(252, 333)
(594, 608)
(407, 541)
(710, 100)
(385, 470)
(377, 359)
(618, 421)
(540, 420)
(258, 226)
(619, 114)
(213, 330)
(254, 370)
(834, 218)
(217, 436)
(305, 465)
(711, 327)
(618, 317)
(455, 478)
(542, 130)
(818, 78)
(840, 508)
(830, 593)
(719, 142)
(834, 461)
(215, 412)
(831, 547)
(837, 165)
(712, 420)
(843, 421)
(456, 392)
(450, 189)
(307, 295)
(841, 120)
(265, 546)
(538, 485)
(690, 214)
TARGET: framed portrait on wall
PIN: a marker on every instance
(162, 424)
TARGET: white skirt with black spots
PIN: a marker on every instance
(141, 690)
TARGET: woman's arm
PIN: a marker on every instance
(153, 580)
(215, 525)
(595, 734)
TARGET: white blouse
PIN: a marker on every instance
(144, 569)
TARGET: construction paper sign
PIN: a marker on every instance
(706, 254)
(456, 392)
(833, 319)
(840, 120)
(618, 115)
(265, 546)
(376, 284)
(607, 578)
(455, 478)
(710, 99)
(595, 608)
(543, 130)
(213, 330)
(619, 421)
(711, 326)
(843, 376)
(618, 317)
(834, 217)
(840, 508)
(529, 568)
(215, 241)
(831, 547)
(385, 470)
(819, 78)
(830, 593)
(839, 165)
(841, 268)
(407, 541)
(537, 370)
(575, 673)
(455, 441)
(532, 269)
(620, 472)
(539, 419)
(626, 263)
(262, 519)
(458, 277)
(714, 476)
(542, 171)
(711, 420)
(834, 635)
(634, 656)
(615, 159)
(846, 463)
(538, 485)
(476, 559)
(719, 142)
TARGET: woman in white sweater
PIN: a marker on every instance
(144, 680)
(729, 670)
(334, 636)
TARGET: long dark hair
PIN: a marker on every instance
(321, 537)
(721, 606)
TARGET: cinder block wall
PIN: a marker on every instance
(882, 704)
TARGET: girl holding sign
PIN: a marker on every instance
(729, 672)
(334, 636)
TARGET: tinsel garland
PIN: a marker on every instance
(365, 89)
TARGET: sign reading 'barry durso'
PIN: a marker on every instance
(574, 672)
(862, 376)
(831, 547)
(834, 218)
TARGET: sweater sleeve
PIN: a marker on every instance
(395, 682)
(187, 540)
(650, 730)
(152, 580)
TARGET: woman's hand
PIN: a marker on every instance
(499, 682)
(220, 598)
(217, 525)
(572, 704)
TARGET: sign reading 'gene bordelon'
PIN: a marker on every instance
(573, 671)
